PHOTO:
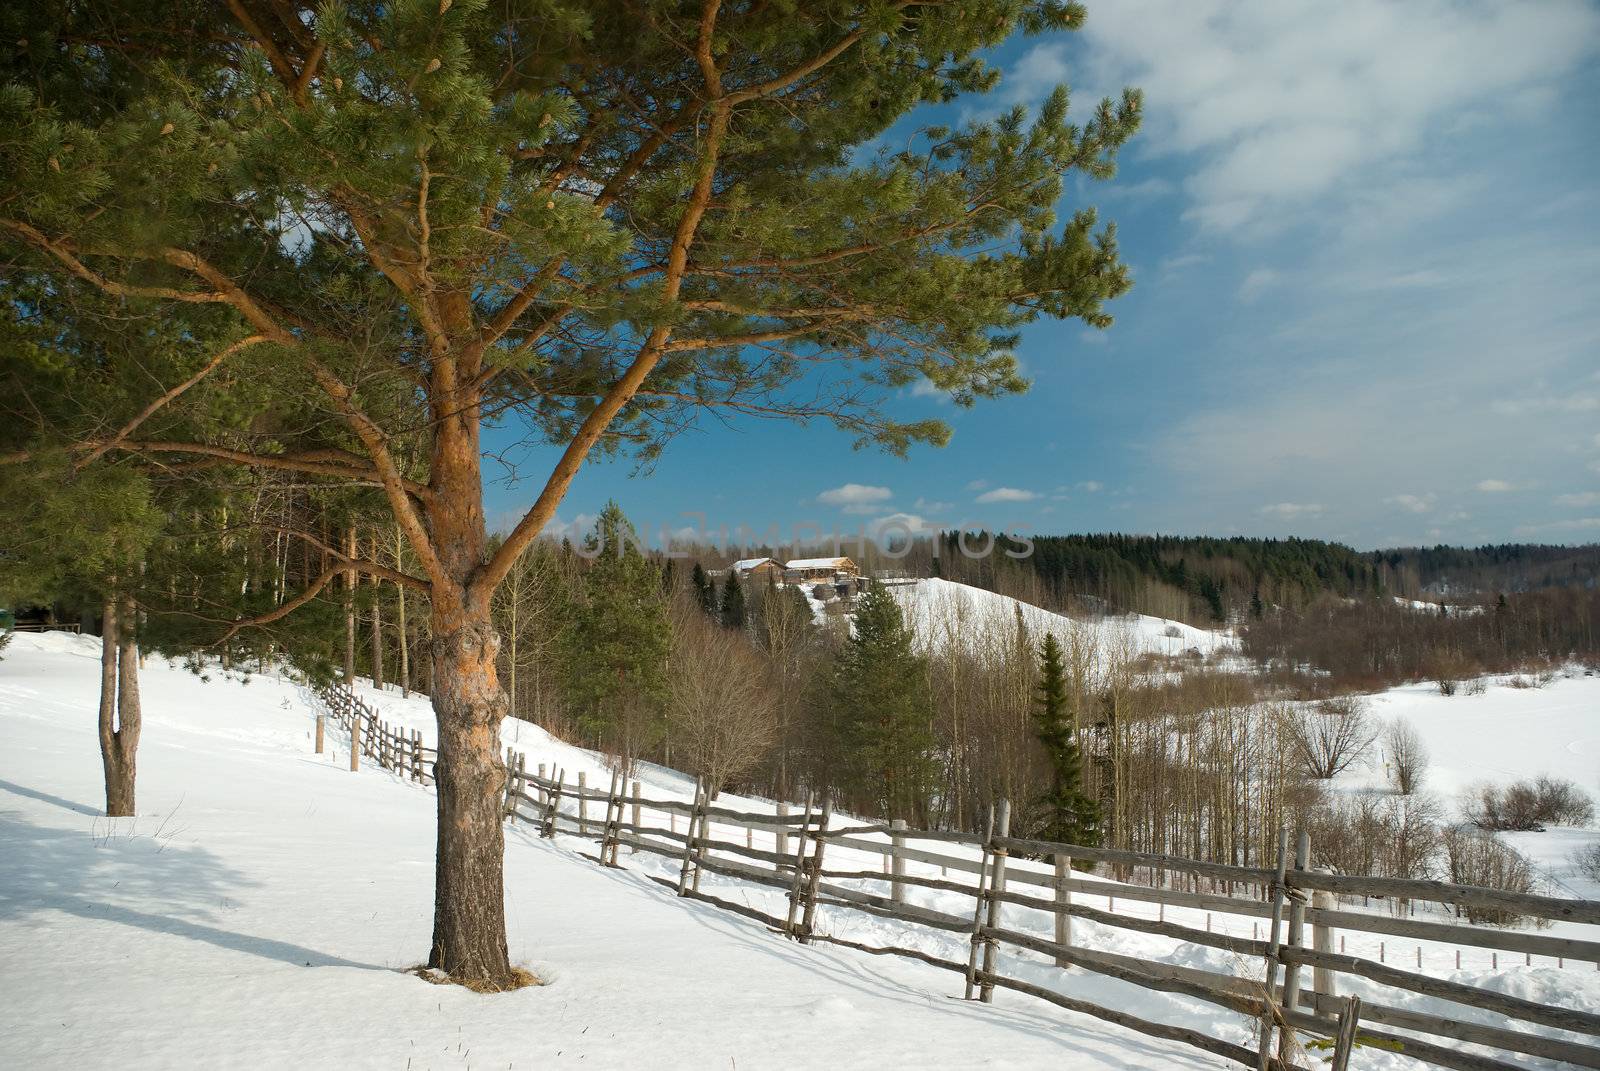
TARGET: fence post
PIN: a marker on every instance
(583, 805)
(997, 888)
(897, 842)
(781, 844)
(1349, 1019)
(319, 734)
(816, 871)
(637, 823)
(544, 793)
(688, 841)
(977, 910)
(554, 805)
(1063, 901)
(355, 744)
(1297, 922)
(1270, 983)
(416, 756)
(798, 868)
(1322, 979)
(608, 843)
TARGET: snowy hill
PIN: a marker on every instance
(263, 906)
(942, 611)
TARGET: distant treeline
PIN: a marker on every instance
(1209, 580)
(1375, 643)
(1508, 567)
(1199, 579)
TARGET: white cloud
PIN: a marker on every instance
(1007, 494)
(1175, 264)
(1495, 487)
(856, 497)
(1288, 511)
(1412, 503)
(1548, 403)
(977, 485)
(1289, 104)
(1582, 524)
(1257, 283)
(1091, 486)
(1583, 498)
(928, 505)
(895, 526)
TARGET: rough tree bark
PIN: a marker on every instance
(119, 707)
(469, 935)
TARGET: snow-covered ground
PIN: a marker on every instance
(264, 904)
(260, 911)
(1503, 735)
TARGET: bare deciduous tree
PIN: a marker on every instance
(1330, 735)
(1406, 756)
(723, 709)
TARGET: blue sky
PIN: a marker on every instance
(1366, 245)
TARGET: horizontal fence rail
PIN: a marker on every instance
(1297, 908)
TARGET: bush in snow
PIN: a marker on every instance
(1406, 756)
(1587, 860)
(5, 641)
(1528, 805)
(1477, 858)
(1330, 735)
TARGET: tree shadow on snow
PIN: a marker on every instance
(118, 876)
(45, 797)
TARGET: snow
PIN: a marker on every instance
(818, 563)
(263, 907)
(744, 565)
(944, 611)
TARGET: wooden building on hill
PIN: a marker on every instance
(758, 569)
(802, 570)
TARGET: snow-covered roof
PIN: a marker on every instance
(820, 563)
(744, 565)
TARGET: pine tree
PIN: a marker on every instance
(561, 214)
(883, 705)
(1071, 816)
(733, 613)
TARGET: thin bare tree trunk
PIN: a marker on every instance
(119, 707)
(350, 616)
(377, 625)
(405, 637)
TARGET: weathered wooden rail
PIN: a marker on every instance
(1302, 909)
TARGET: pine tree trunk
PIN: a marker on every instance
(405, 636)
(469, 936)
(469, 919)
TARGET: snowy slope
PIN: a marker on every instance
(941, 611)
(260, 908)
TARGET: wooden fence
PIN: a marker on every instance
(1299, 908)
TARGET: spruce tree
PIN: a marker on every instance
(883, 706)
(617, 642)
(1071, 816)
(573, 215)
(705, 592)
(733, 613)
